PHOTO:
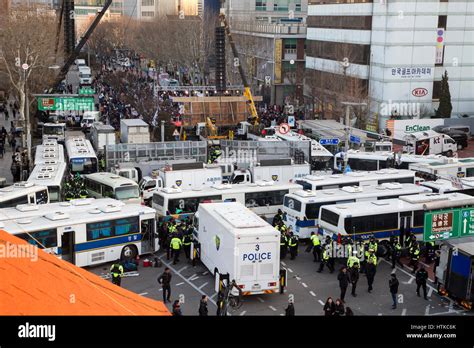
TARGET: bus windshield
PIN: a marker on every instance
(84, 165)
(53, 130)
(126, 192)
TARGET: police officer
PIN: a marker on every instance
(117, 273)
(326, 260)
(187, 241)
(354, 265)
(176, 245)
(396, 253)
(373, 245)
(414, 256)
(393, 241)
(364, 249)
(293, 245)
(316, 247)
(421, 278)
(283, 245)
(278, 218)
(371, 268)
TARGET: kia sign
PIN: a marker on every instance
(419, 92)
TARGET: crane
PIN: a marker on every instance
(247, 91)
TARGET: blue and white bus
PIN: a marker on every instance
(106, 232)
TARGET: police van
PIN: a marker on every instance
(234, 240)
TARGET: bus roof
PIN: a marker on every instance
(225, 188)
(49, 152)
(29, 210)
(334, 179)
(447, 185)
(239, 219)
(52, 219)
(446, 163)
(79, 147)
(111, 179)
(353, 192)
(19, 189)
(48, 174)
(384, 155)
(426, 201)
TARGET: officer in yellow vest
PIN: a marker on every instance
(414, 256)
(326, 260)
(187, 241)
(117, 273)
(293, 245)
(176, 245)
(283, 244)
(396, 253)
(371, 268)
(316, 247)
(352, 260)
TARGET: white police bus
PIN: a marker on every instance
(52, 176)
(360, 160)
(333, 181)
(382, 219)
(445, 186)
(50, 152)
(100, 234)
(81, 156)
(23, 193)
(301, 208)
(111, 185)
(263, 198)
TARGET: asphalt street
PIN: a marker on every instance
(308, 289)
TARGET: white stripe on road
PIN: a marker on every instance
(312, 293)
(180, 284)
(143, 293)
(213, 295)
(290, 270)
(284, 264)
(161, 289)
(380, 314)
(205, 273)
(411, 280)
(191, 278)
(298, 278)
(321, 302)
(410, 275)
(404, 312)
(260, 299)
(182, 269)
(196, 277)
(430, 292)
(187, 281)
(304, 284)
(243, 313)
(203, 285)
(427, 310)
(272, 308)
(282, 314)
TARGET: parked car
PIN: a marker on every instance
(460, 134)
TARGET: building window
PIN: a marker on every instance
(357, 54)
(148, 14)
(340, 22)
(261, 5)
(290, 46)
(148, 2)
(442, 20)
(281, 5)
(325, 2)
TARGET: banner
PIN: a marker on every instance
(278, 55)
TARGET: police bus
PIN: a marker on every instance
(360, 160)
(50, 152)
(263, 198)
(52, 176)
(384, 218)
(301, 208)
(81, 156)
(23, 193)
(465, 185)
(111, 185)
(459, 167)
(103, 233)
(333, 181)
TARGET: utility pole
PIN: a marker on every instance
(347, 130)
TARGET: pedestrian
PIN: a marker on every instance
(165, 281)
(293, 244)
(396, 253)
(175, 245)
(326, 261)
(349, 312)
(316, 247)
(371, 269)
(393, 285)
(354, 277)
(203, 312)
(344, 280)
(421, 278)
(278, 218)
(329, 307)
(339, 309)
(117, 273)
(187, 241)
(177, 309)
(290, 310)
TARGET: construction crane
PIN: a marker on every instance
(74, 54)
(247, 91)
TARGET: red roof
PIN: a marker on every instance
(36, 283)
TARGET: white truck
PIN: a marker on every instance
(134, 131)
(88, 118)
(233, 239)
(430, 142)
(85, 75)
(282, 171)
(102, 135)
(54, 131)
(185, 176)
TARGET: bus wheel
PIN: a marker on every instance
(129, 252)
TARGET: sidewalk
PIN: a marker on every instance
(6, 161)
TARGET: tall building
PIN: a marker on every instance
(270, 36)
(86, 10)
(390, 54)
(151, 9)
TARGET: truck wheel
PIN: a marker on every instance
(449, 153)
(460, 147)
(129, 252)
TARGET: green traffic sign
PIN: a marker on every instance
(448, 224)
(66, 104)
(86, 91)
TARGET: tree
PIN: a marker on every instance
(26, 44)
(445, 106)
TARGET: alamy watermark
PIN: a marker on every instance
(19, 251)
(400, 109)
(238, 156)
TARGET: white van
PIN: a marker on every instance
(85, 75)
(88, 118)
(80, 62)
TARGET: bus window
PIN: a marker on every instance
(292, 204)
(54, 193)
(418, 218)
(107, 191)
(42, 197)
(99, 230)
(42, 239)
(469, 172)
(329, 217)
(159, 200)
(126, 226)
(84, 165)
(126, 192)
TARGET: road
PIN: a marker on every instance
(308, 288)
